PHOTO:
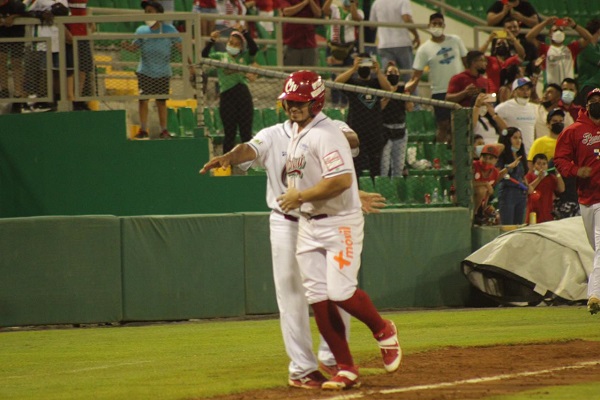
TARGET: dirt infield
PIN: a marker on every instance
(526, 367)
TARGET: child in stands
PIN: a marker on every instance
(542, 188)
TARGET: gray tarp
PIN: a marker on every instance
(549, 261)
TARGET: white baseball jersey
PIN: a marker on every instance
(320, 151)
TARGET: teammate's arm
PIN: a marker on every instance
(239, 154)
(327, 188)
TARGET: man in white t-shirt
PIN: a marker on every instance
(395, 44)
(445, 56)
(518, 112)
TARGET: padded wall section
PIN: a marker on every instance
(57, 270)
(182, 267)
(80, 163)
(411, 258)
(260, 289)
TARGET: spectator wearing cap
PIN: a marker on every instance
(154, 70)
(588, 62)
(299, 39)
(521, 10)
(570, 89)
(555, 124)
(445, 55)
(550, 101)
(578, 155)
(560, 59)
(485, 177)
(519, 112)
(543, 186)
(463, 88)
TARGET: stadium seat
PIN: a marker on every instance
(388, 188)
(418, 186)
(173, 122)
(257, 121)
(270, 116)
(209, 123)
(414, 124)
(439, 151)
(217, 120)
(480, 8)
(365, 183)
(187, 121)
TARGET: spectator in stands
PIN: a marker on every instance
(205, 7)
(445, 55)
(154, 70)
(542, 188)
(531, 52)
(588, 62)
(500, 56)
(569, 94)
(560, 59)
(227, 26)
(519, 112)
(299, 39)
(394, 126)
(512, 191)
(507, 77)
(550, 101)
(235, 101)
(364, 112)
(265, 8)
(464, 87)
(486, 122)
(9, 11)
(395, 44)
(342, 40)
(520, 10)
(85, 62)
(555, 121)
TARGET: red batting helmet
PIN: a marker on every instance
(305, 86)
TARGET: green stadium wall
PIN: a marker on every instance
(176, 245)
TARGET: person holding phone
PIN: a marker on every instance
(500, 58)
(560, 58)
(520, 10)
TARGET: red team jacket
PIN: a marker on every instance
(579, 146)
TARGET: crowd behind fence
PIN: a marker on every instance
(108, 79)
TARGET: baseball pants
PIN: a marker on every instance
(591, 222)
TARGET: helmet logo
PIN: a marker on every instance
(290, 86)
(318, 87)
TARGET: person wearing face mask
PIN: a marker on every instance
(588, 63)
(549, 101)
(154, 70)
(463, 88)
(577, 154)
(486, 122)
(512, 191)
(519, 111)
(543, 186)
(394, 126)
(235, 101)
(445, 55)
(520, 10)
(555, 123)
(500, 56)
(560, 58)
(567, 99)
(364, 111)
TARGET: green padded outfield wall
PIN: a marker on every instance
(81, 163)
(57, 270)
(183, 267)
(411, 257)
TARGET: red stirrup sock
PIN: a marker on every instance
(332, 328)
(361, 307)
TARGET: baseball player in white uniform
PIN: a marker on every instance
(268, 149)
(322, 188)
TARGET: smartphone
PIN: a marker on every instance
(501, 34)
(490, 98)
(504, 1)
(562, 22)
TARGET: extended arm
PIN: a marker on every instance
(239, 154)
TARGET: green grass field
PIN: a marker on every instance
(203, 359)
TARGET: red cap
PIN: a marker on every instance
(595, 92)
(491, 149)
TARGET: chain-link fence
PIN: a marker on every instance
(425, 173)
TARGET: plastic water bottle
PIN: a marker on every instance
(435, 197)
(446, 199)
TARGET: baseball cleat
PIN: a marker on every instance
(391, 352)
(330, 370)
(343, 380)
(593, 305)
(314, 380)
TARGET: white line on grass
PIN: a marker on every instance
(579, 365)
(75, 371)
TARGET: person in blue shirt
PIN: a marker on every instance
(154, 70)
